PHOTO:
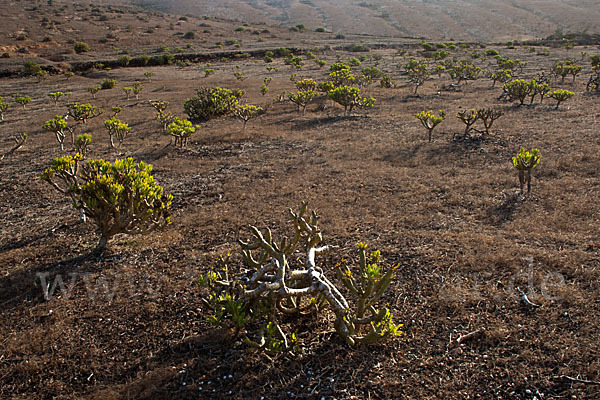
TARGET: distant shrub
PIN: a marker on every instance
(108, 84)
(81, 47)
(320, 29)
(189, 35)
(211, 103)
(31, 68)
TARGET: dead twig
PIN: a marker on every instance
(19, 141)
(470, 336)
(526, 299)
(584, 381)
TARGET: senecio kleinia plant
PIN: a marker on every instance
(22, 100)
(524, 162)
(302, 98)
(119, 197)
(279, 284)
(560, 95)
(247, 112)
(57, 125)
(3, 107)
(430, 120)
(181, 130)
(55, 96)
(212, 103)
(116, 128)
(349, 97)
(468, 117)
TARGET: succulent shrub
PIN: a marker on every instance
(57, 125)
(386, 81)
(417, 72)
(212, 103)
(82, 112)
(349, 98)
(165, 118)
(127, 91)
(108, 84)
(159, 105)
(31, 68)
(181, 130)
(524, 162)
(247, 112)
(55, 96)
(81, 47)
(541, 89)
(116, 129)
(137, 89)
(257, 304)
(502, 76)
(340, 74)
(488, 116)
(429, 120)
(369, 74)
(462, 70)
(4, 106)
(119, 197)
(93, 90)
(149, 75)
(468, 117)
(560, 95)
(520, 89)
(81, 144)
(302, 98)
(22, 100)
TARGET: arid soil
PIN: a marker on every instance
(131, 323)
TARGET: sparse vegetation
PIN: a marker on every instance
(212, 103)
(524, 162)
(429, 120)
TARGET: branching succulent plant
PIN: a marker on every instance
(524, 162)
(502, 76)
(181, 130)
(417, 72)
(247, 112)
(81, 144)
(274, 289)
(212, 103)
(520, 89)
(349, 98)
(55, 96)
(488, 116)
(93, 90)
(302, 98)
(4, 106)
(468, 117)
(57, 125)
(429, 120)
(560, 95)
(116, 129)
(22, 100)
(82, 112)
(137, 89)
(119, 197)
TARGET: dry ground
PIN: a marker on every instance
(448, 212)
